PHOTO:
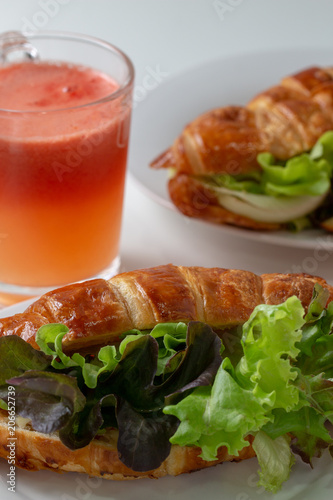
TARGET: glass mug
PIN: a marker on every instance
(65, 108)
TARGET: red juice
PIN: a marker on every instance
(62, 172)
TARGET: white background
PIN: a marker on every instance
(171, 36)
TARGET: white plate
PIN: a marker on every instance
(230, 481)
(161, 116)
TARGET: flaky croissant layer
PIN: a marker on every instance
(98, 311)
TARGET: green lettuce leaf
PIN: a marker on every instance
(170, 337)
(140, 400)
(300, 176)
(316, 345)
(251, 182)
(306, 419)
(52, 334)
(303, 175)
(264, 396)
(241, 401)
(272, 379)
(275, 460)
(218, 416)
(269, 341)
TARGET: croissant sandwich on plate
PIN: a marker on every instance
(169, 370)
(267, 165)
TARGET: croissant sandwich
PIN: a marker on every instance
(267, 165)
(169, 370)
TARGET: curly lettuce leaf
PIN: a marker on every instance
(78, 396)
(170, 337)
(299, 176)
(306, 174)
(49, 339)
(275, 379)
(218, 416)
(264, 396)
(269, 342)
(275, 460)
(307, 426)
(241, 401)
(324, 148)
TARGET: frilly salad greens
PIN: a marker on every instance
(271, 379)
(284, 191)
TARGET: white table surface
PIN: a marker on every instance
(176, 35)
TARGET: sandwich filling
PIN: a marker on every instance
(186, 384)
(283, 191)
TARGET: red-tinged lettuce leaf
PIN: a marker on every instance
(48, 399)
(308, 446)
(171, 337)
(17, 356)
(47, 413)
(133, 377)
(144, 431)
(307, 425)
(143, 442)
(82, 427)
(199, 364)
(172, 364)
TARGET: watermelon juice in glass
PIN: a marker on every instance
(65, 106)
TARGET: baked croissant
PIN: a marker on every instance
(97, 312)
(284, 120)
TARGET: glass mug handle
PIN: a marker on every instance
(14, 46)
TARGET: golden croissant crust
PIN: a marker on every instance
(98, 311)
(36, 451)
